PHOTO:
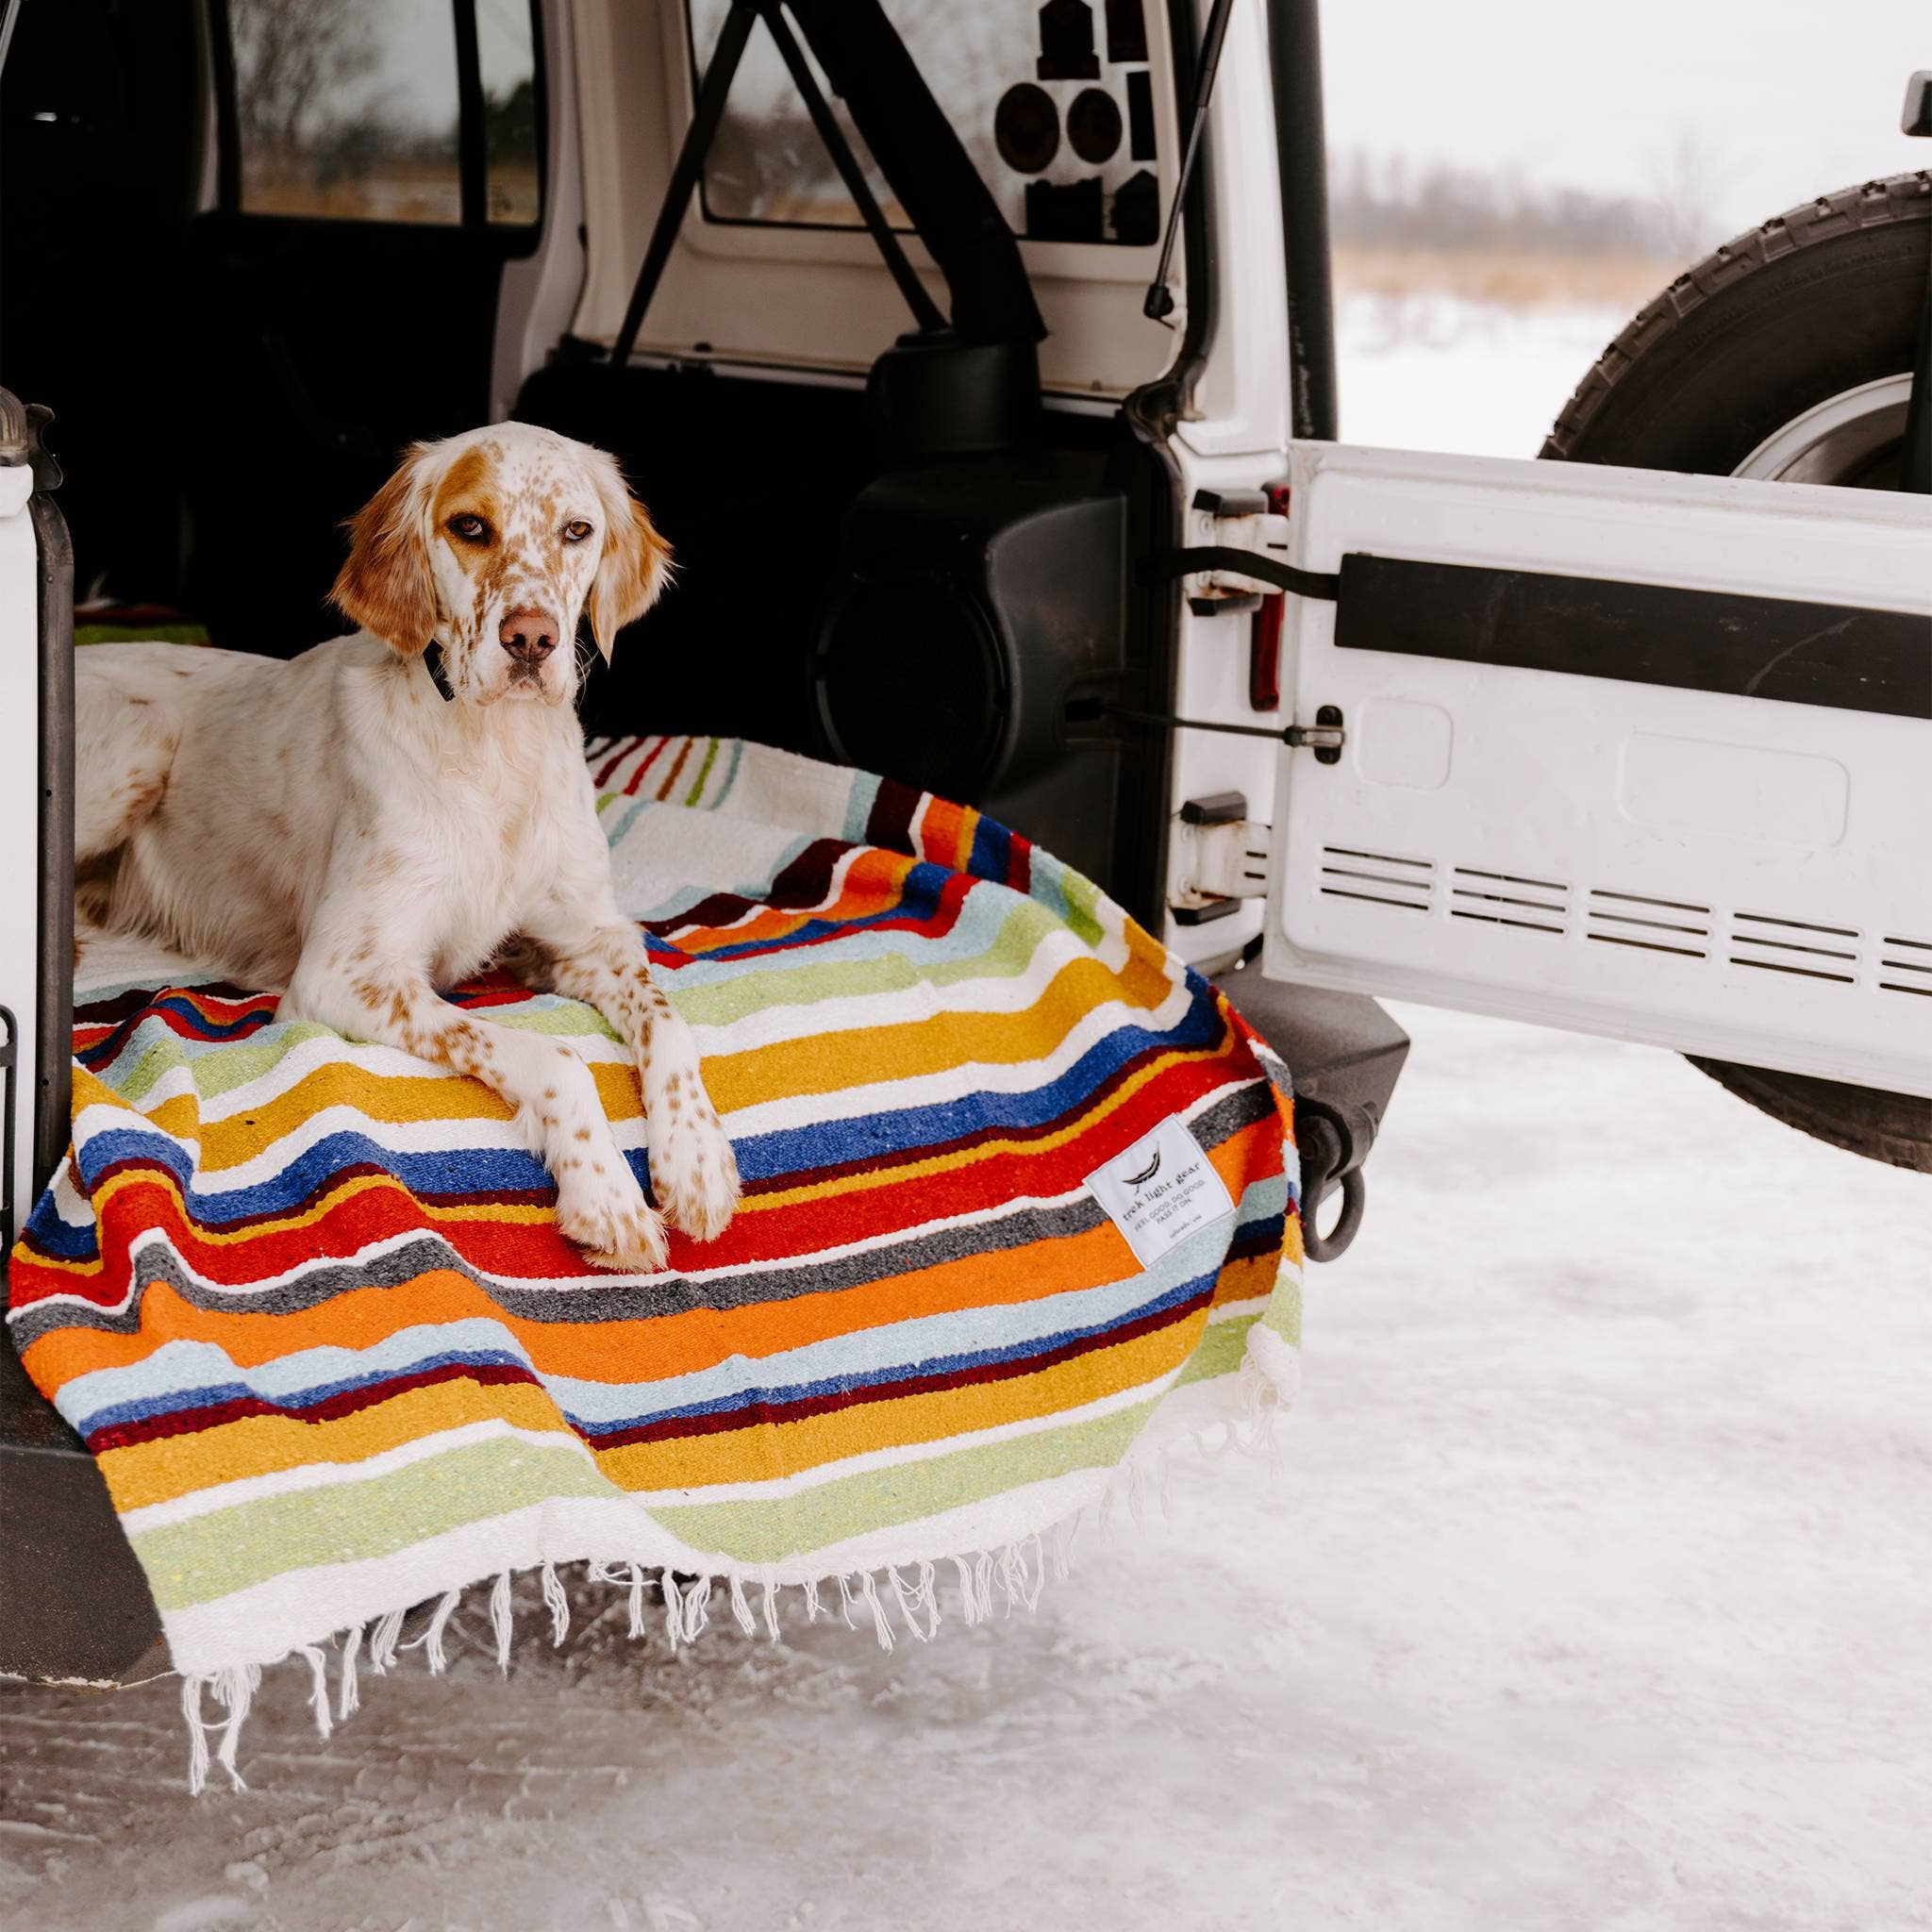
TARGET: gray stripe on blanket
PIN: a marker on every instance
(655, 1295)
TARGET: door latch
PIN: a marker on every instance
(1326, 736)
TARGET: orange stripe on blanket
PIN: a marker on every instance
(731, 1456)
(833, 1063)
(158, 1472)
(694, 1338)
(676, 1343)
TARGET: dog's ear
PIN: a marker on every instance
(635, 563)
(385, 586)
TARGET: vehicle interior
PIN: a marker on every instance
(295, 238)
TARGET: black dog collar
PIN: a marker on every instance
(432, 662)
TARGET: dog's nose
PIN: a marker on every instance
(529, 635)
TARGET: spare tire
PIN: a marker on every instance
(1786, 355)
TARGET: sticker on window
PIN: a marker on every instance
(1160, 1191)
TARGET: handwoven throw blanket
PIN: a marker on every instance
(1019, 1212)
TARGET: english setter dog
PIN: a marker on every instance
(391, 811)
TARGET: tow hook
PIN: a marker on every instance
(1333, 1139)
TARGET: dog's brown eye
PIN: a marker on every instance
(470, 527)
(576, 530)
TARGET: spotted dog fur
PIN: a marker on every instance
(333, 830)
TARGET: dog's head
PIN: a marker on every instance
(495, 543)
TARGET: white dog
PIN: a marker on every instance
(387, 812)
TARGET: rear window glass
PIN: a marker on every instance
(348, 109)
(1054, 103)
(506, 50)
(351, 109)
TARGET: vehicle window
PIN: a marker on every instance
(1054, 103)
(348, 109)
(506, 51)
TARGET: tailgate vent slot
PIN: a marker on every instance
(1648, 924)
(1507, 898)
(1799, 946)
(1907, 964)
(1377, 877)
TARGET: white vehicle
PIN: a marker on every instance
(979, 364)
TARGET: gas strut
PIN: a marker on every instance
(1159, 303)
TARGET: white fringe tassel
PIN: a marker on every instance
(741, 1607)
(382, 1646)
(318, 1694)
(499, 1619)
(349, 1698)
(1019, 1568)
(558, 1604)
(197, 1734)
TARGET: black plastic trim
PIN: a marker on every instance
(472, 142)
(1248, 563)
(54, 1017)
(9, 1071)
(1221, 809)
(1294, 64)
(1204, 915)
(1835, 655)
(1157, 519)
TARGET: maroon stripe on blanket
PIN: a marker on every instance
(185, 1422)
(721, 1422)
(635, 779)
(889, 824)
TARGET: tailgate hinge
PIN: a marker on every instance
(1219, 855)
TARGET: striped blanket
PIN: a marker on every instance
(1018, 1213)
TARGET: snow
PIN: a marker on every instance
(1592, 1589)
(1438, 371)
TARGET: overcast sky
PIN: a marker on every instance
(1792, 97)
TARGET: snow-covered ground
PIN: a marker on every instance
(1436, 372)
(1595, 1590)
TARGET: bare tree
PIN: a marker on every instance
(293, 57)
(1389, 202)
(1688, 180)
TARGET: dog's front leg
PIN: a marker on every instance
(693, 1171)
(599, 1204)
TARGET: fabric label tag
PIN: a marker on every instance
(1159, 1191)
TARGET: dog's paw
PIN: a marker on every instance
(609, 1218)
(693, 1171)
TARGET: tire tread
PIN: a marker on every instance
(1893, 198)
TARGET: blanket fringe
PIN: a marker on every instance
(382, 1646)
(499, 1621)
(234, 1690)
(197, 1734)
(1014, 1574)
(318, 1695)
(558, 1604)
(350, 1697)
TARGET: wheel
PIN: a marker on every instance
(1787, 354)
